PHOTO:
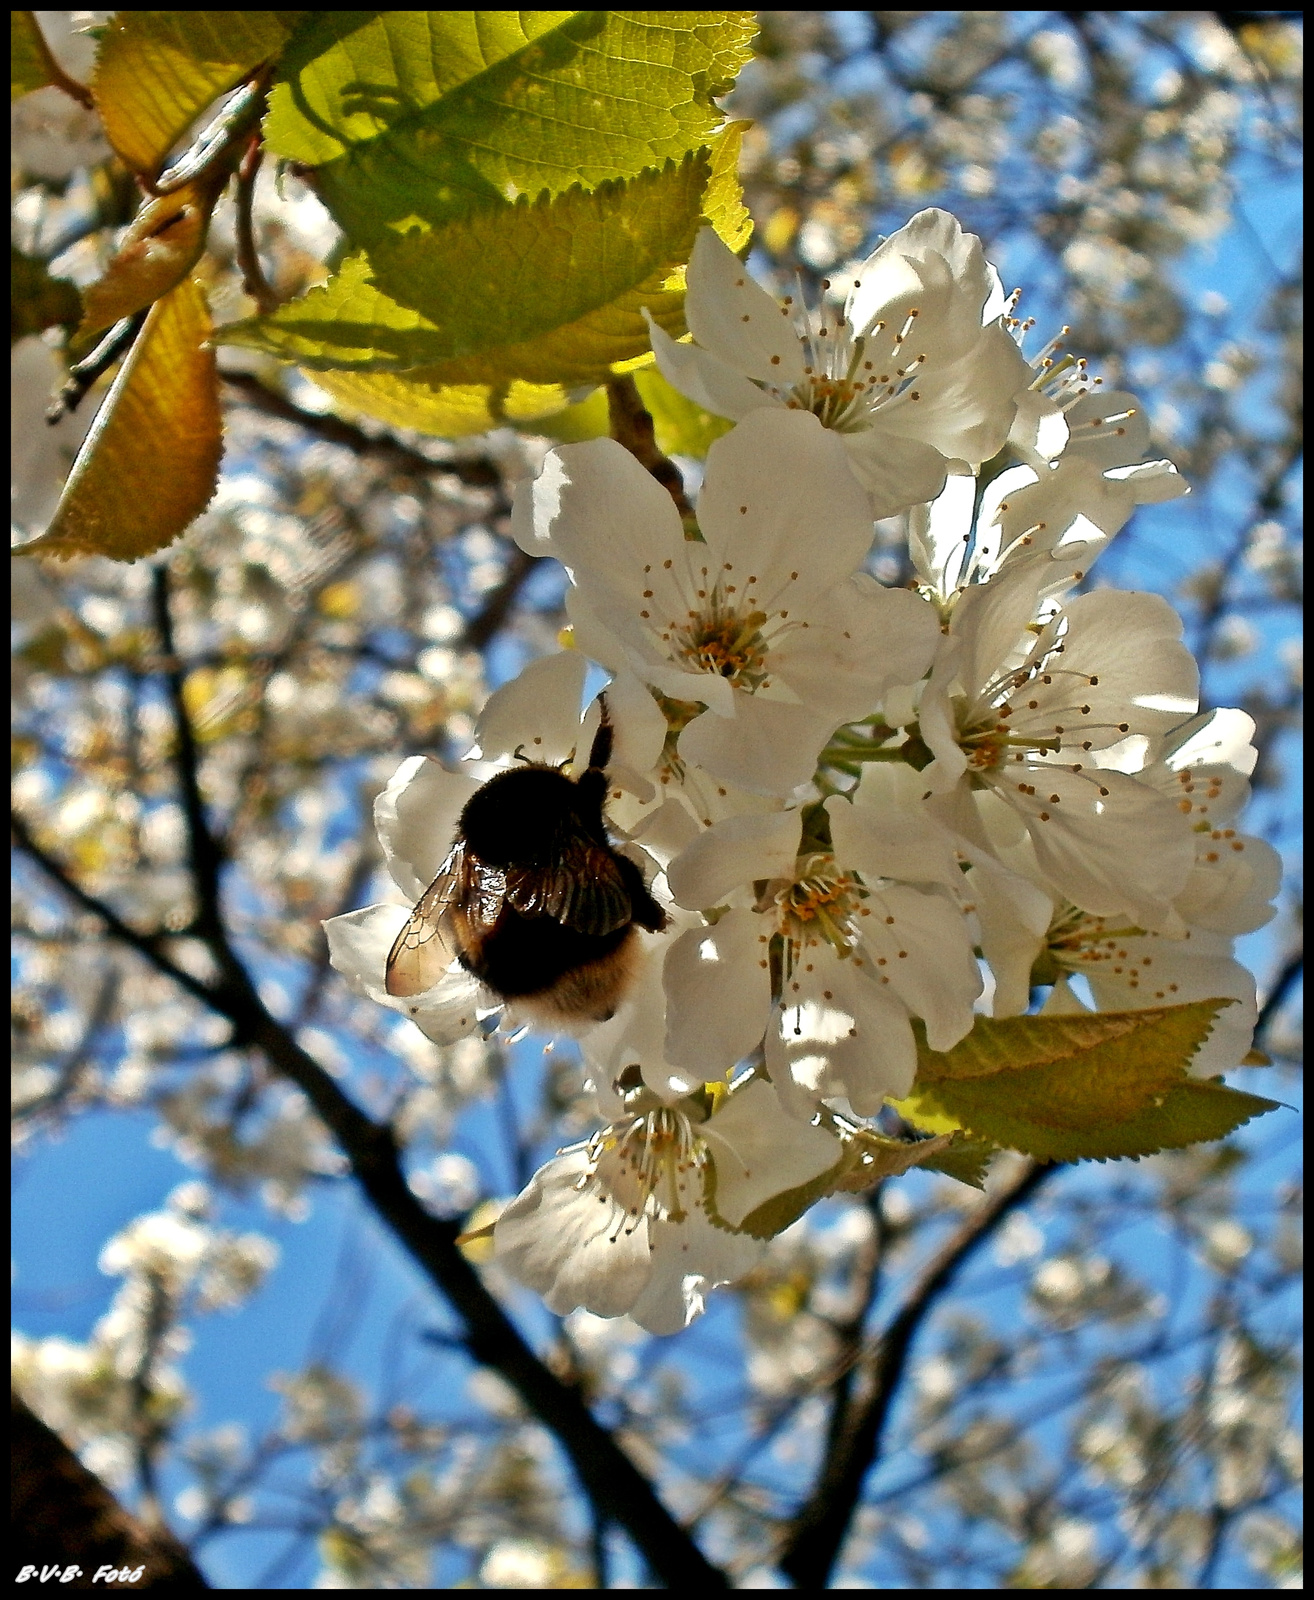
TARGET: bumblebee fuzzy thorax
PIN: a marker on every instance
(520, 817)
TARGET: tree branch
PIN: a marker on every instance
(478, 472)
(613, 1483)
(822, 1525)
(62, 1515)
(498, 602)
(632, 426)
(205, 854)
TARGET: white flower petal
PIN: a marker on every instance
(839, 1012)
(1125, 850)
(1124, 669)
(592, 639)
(734, 852)
(861, 640)
(895, 469)
(640, 727)
(766, 747)
(704, 378)
(761, 1150)
(735, 318)
(572, 1244)
(1160, 972)
(920, 942)
(1108, 429)
(689, 1258)
(536, 713)
(779, 500)
(1039, 428)
(415, 818)
(718, 993)
(1232, 885)
(939, 534)
(359, 943)
(884, 831)
(1009, 942)
(596, 509)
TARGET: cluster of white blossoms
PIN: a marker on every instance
(860, 808)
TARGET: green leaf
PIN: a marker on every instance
(161, 247)
(451, 411)
(681, 427)
(550, 291)
(157, 71)
(416, 118)
(29, 55)
(1069, 1088)
(36, 300)
(150, 462)
(586, 419)
(965, 1159)
(876, 1158)
(773, 1216)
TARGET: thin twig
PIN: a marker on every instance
(254, 282)
(82, 375)
(205, 851)
(1277, 996)
(498, 602)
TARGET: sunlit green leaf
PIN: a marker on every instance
(586, 419)
(157, 71)
(149, 464)
(1069, 1088)
(552, 289)
(415, 118)
(451, 411)
(30, 61)
(681, 427)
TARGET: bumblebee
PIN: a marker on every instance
(533, 899)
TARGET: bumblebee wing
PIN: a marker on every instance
(422, 951)
(584, 889)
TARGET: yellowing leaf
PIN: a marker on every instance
(1008, 1044)
(550, 291)
(421, 117)
(1094, 1086)
(161, 247)
(149, 464)
(723, 202)
(157, 71)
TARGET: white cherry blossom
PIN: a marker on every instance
(647, 1217)
(917, 370)
(1201, 768)
(1061, 514)
(1017, 708)
(851, 954)
(765, 636)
